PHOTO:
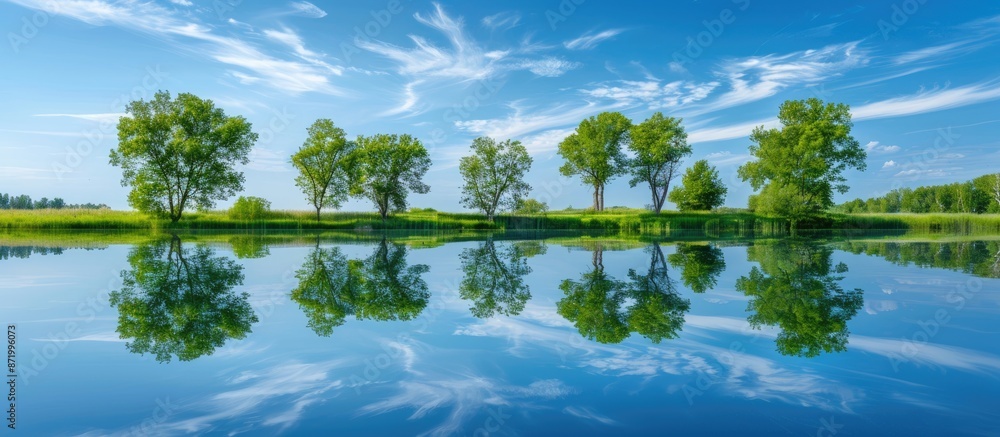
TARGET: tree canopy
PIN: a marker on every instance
(323, 166)
(494, 175)
(701, 188)
(387, 168)
(494, 279)
(381, 287)
(181, 152)
(798, 166)
(177, 301)
(796, 289)
(594, 151)
(659, 144)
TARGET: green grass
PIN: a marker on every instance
(617, 220)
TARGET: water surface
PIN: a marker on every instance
(504, 335)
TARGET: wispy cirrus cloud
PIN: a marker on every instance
(307, 9)
(929, 101)
(154, 20)
(502, 20)
(590, 40)
(101, 117)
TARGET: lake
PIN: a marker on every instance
(510, 334)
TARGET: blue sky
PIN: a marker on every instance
(921, 79)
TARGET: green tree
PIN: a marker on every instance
(531, 207)
(388, 167)
(700, 264)
(796, 288)
(494, 175)
(798, 166)
(594, 152)
(701, 188)
(658, 310)
(249, 208)
(180, 301)
(179, 152)
(324, 166)
(57, 203)
(494, 279)
(381, 287)
(659, 144)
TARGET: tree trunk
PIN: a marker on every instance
(597, 204)
(317, 215)
(600, 197)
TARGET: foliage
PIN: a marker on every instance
(594, 152)
(980, 195)
(494, 279)
(796, 288)
(800, 165)
(701, 188)
(594, 303)
(324, 166)
(381, 287)
(659, 144)
(700, 264)
(494, 175)
(180, 152)
(250, 208)
(531, 207)
(180, 301)
(387, 168)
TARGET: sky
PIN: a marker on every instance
(921, 79)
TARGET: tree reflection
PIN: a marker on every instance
(796, 289)
(594, 303)
(180, 301)
(979, 258)
(381, 287)
(494, 278)
(700, 264)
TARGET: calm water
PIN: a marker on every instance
(558, 336)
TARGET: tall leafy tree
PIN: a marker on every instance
(494, 279)
(659, 144)
(701, 188)
(387, 168)
(323, 166)
(181, 152)
(381, 287)
(594, 152)
(494, 175)
(796, 288)
(798, 166)
(179, 301)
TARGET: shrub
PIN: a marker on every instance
(531, 207)
(250, 208)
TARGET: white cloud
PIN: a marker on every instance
(152, 19)
(502, 20)
(548, 67)
(889, 164)
(590, 40)
(307, 9)
(267, 160)
(522, 122)
(727, 158)
(875, 146)
(182, 2)
(652, 94)
(105, 117)
(720, 133)
(928, 101)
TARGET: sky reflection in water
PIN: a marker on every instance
(506, 337)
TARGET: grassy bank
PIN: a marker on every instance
(627, 221)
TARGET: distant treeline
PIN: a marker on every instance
(9, 201)
(980, 195)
